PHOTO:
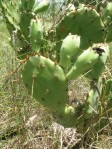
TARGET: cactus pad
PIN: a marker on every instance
(46, 82)
(98, 68)
(84, 62)
(42, 6)
(36, 34)
(85, 22)
(69, 50)
(93, 99)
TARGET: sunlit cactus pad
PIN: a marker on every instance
(85, 22)
(46, 81)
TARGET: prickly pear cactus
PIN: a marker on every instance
(80, 47)
(24, 25)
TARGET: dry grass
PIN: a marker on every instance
(25, 124)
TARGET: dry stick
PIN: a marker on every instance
(65, 11)
(103, 105)
(6, 81)
(16, 70)
(12, 73)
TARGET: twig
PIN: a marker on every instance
(16, 70)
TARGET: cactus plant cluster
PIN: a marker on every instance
(82, 37)
(24, 24)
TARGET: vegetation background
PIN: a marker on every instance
(24, 123)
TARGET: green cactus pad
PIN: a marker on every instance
(84, 62)
(46, 82)
(25, 20)
(11, 14)
(70, 50)
(23, 5)
(93, 99)
(84, 22)
(40, 7)
(10, 11)
(71, 117)
(30, 4)
(26, 5)
(26, 15)
(36, 34)
(68, 117)
(98, 68)
(109, 33)
(107, 19)
(107, 13)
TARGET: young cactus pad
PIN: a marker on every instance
(69, 50)
(42, 6)
(107, 19)
(99, 67)
(36, 34)
(84, 62)
(68, 117)
(93, 98)
(46, 82)
(72, 117)
(10, 12)
(25, 20)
